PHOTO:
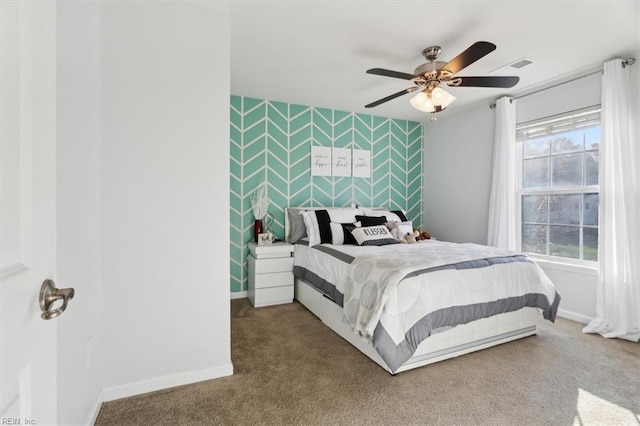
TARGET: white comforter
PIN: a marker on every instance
(376, 291)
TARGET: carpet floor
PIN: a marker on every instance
(290, 369)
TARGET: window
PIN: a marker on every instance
(558, 188)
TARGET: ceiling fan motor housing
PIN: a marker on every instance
(433, 71)
(432, 52)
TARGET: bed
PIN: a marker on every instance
(409, 305)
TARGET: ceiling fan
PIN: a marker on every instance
(428, 77)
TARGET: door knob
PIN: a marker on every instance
(49, 294)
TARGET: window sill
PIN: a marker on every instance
(586, 268)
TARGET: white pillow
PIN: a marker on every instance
(405, 227)
(391, 217)
(311, 223)
(373, 236)
(343, 215)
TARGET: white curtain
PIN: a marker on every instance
(502, 227)
(618, 289)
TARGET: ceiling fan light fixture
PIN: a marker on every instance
(421, 102)
(441, 98)
(432, 100)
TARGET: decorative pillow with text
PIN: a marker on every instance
(373, 236)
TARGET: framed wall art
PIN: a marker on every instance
(320, 161)
(361, 163)
(341, 162)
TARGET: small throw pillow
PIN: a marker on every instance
(373, 236)
(405, 227)
(371, 220)
(341, 233)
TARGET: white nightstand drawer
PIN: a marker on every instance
(266, 266)
(270, 251)
(273, 296)
(276, 279)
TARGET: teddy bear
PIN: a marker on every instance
(412, 237)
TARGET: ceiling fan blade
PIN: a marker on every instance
(389, 73)
(388, 98)
(476, 51)
(487, 81)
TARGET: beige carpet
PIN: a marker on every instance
(291, 369)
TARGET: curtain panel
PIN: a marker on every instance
(618, 287)
(502, 226)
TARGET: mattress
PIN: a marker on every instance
(396, 296)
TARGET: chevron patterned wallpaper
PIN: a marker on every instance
(271, 142)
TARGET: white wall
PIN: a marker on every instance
(579, 92)
(577, 287)
(457, 180)
(78, 211)
(165, 192)
(458, 160)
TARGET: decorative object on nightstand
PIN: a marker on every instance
(266, 238)
(270, 273)
(259, 206)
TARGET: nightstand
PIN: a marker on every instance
(270, 274)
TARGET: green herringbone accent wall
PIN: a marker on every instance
(271, 142)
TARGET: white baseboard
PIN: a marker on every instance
(93, 415)
(130, 389)
(239, 294)
(573, 316)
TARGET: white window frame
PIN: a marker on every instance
(563, 263)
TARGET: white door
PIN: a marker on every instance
(28, 199)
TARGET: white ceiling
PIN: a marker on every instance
(316, 53)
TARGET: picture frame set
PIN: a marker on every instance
(342, 162)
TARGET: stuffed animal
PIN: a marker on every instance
(424, 235)
(395, 231)
(412, 237)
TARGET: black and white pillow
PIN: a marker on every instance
(401, 215)
(371, 220)
(373, 236)
(318, 224)
(341, 233)
(391, 216)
